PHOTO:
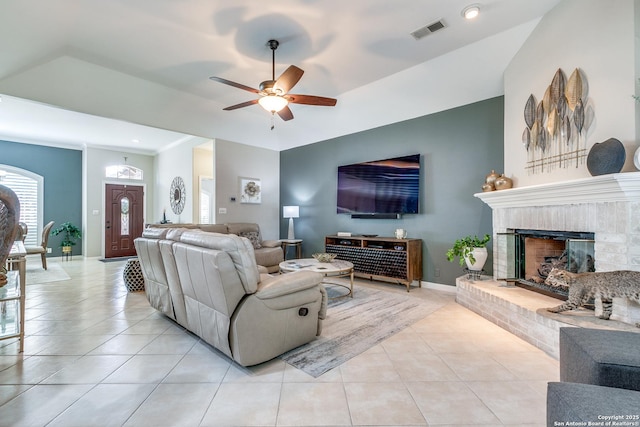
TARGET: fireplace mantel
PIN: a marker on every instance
(618, 187)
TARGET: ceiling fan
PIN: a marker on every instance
(274, 94)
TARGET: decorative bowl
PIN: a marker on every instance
(606, 157)
(324, 257)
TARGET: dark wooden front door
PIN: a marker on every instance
(124, 220)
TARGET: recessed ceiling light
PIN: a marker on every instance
(471, 11)
(135, 141)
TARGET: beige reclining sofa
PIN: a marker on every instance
(269, 253)
(210, 284)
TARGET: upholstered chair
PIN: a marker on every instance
(42, 248)
(268, 253)
(21, 231)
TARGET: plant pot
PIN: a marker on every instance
(480, 255)
(66, 249)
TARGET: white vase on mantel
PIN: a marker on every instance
(480, 255)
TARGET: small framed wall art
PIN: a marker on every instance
(250, 190)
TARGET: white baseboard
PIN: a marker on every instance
(439, 287)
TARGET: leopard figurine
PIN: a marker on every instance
(604, 285)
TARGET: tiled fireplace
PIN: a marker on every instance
(607, 206)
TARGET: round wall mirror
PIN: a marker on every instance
(177, 195)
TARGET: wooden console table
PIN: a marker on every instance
(380, 258)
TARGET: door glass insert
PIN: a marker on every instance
(124, 216)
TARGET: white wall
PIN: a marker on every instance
(599, 38)
(170, 163)
(95, 161)
(233, 160)
(202, 167)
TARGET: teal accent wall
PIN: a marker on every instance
(62, 172)
(458, 148)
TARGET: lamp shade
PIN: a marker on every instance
(273, 103)
(290, 211)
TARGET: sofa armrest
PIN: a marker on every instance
(271, 243)
(323, 306)
(285, 284)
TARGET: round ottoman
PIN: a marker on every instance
(132, 276)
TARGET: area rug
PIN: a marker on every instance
(354, 325)
(36, 274)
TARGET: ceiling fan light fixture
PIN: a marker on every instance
(471, 12)
(273, 103)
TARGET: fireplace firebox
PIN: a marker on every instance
(532, 254)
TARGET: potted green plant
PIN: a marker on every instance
(471, 250)
(71, 233)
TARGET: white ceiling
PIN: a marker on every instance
(68, 68)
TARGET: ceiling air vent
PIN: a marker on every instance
(428, 29)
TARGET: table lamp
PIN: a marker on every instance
(291, 212)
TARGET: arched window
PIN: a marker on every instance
(29, 187)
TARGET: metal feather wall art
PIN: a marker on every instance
(556, 127)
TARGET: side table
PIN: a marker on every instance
(296, 243)
(335, 268)
(132, 275)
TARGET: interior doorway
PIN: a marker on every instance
(207, 191)
(204, 200)
(124, 219)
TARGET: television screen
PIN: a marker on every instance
(390, 186)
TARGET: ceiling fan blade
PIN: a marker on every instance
(285, 114)
(312, 100)
(234, 84)
(288, 79)
(242, 105)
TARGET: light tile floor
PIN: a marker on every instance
(96, 355)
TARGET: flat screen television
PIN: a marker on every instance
(382, 187)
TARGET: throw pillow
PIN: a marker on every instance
(253, 236)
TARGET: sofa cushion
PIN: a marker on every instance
(156, 285)
(242, 227)
(239, 249)
(214, 228)
(269, 258)
(253, 236)
(175, 233)
(154, 233)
